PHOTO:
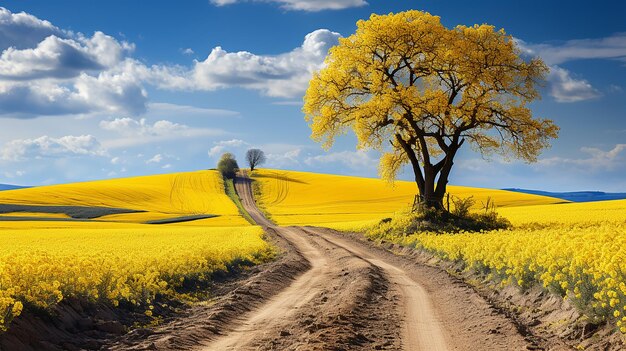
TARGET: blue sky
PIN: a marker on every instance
(99, 89)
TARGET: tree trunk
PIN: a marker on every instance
(430, 197)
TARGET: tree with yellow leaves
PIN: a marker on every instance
(417, 91)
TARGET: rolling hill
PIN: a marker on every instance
(164, 198)
(301, 198)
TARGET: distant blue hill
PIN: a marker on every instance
(11, 187)
(575, 196)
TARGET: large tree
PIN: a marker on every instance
(417, 91)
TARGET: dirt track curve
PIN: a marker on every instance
(332, 291)
(351, 288)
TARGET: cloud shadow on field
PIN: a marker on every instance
(75, 212)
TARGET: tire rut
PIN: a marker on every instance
(427, 333)
(339, 293)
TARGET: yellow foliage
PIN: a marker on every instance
(301, 198)
(42, 267)
(417, 91)
(115, 258)
(577, 250)
(581, 214)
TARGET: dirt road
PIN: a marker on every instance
(333, 291)
(355, 296)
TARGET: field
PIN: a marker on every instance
(132, 200)
(575, 250)
(61, 248)
(91, 240)
(341, 202)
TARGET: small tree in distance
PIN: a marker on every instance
(255, 157)
(227, 165)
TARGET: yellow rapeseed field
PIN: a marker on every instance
(581, 214)
(160, 196)
(343, 202)
(575, 250)
(115, 258)
(43, 266)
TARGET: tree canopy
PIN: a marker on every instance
(417, 91)
(227, 165)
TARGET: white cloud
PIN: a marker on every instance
(105, 93)
(304, 5)
(612, 47)
(115, 160)
(285, 75)
(139, 131)
(46, 146)
(47, 71)
(224, 144)
(565, 88)
(133, 127)
(164, 109)
(353, 159)
(56, 57)
(22, 30)
(155, 159)
(187, 51)
(52, 58)
(167, 166)
(111, 92)
(597, 160)
(284, 159)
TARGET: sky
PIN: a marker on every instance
(117, 88)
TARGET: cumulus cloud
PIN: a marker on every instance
(46, 146)
(22, 30)
(220, 146)
(47, 71)
(304, 5)
(565, 88)
(56, 57)
(285, 75)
